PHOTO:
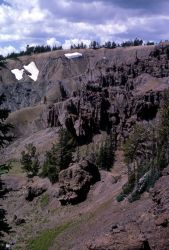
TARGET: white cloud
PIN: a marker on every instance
(19, 19)
(49, 22)
(7, 50)
(53, 42)
(67, 44)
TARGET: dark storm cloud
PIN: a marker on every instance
(148, 6)
(100, 11)
(141, 18)
(86, 11)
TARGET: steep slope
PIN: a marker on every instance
(99, 223)
(101, 90)
(55, 67)
(86, 219)
(141, 225)
(105, 90)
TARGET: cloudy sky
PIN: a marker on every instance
(67, 22)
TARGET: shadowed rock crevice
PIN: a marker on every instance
(148, 112)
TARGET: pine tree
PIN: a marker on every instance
(4, 139)
(60, 155)
(2, 61)
(105, 156)
(51, 167)
(30, 162)
(163, 131)
(133, 149)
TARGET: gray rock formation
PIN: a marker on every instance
(119, 94)
(75, 182)
(102, 91)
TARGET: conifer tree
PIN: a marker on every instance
(133, 150)
(4, 139)
(60, 155)
(30, 162)
(163, 140)
(105, 156)
(2, 61)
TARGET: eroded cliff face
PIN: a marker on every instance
(113, 66)
(116, 92)
(101, 91)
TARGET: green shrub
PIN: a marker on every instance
(120, 197)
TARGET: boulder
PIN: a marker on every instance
(75, 182)
(37, 187)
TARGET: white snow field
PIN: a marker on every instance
(73, 55)
(18, 73)
(33, 70)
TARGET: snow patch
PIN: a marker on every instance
(18, 73)
(33, 70)
(73, 55)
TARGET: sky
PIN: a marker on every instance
(66, 22)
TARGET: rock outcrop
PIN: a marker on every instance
(100, 109)
(75, 182)
(36, 187)
(117, 95)
(106, 89)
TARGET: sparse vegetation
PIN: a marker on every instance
(33, 50)
(44, 201)
(146, 154)
(136, 42)
(29, 160)
(93, 45)
(46, 238)
(5, 138)
(127, 188)
(16, 168)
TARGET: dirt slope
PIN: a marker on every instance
(99, 223)
(89, 218)
(110, 225)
